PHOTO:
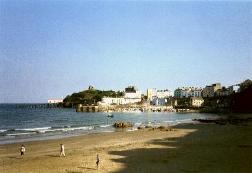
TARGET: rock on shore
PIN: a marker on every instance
(123, 124)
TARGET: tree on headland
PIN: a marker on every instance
(89, 97)
(242, 100)
(238, 102)
(245, 85)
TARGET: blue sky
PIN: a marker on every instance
(49, 49)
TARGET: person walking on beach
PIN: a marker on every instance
(22, 150)
(97, 161)
(62, 150)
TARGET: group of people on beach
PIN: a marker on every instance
(62, 153)
(62, 150)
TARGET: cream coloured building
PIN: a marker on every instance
(151, 93)
(196, 101)
(164, 93)
(154, 93)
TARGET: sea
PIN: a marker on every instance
(23, 122)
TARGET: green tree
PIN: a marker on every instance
(245, 85)
(89, 97)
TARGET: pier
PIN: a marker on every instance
(39, 105)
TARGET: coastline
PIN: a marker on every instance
(64, 123)
(190, 147)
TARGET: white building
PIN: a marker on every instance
(196, 92)
(131, 95)
(136, 95)
(159, 101)
(55, 101)
(164, 93)
(154, 93)
(112, 100)
(132, 92)
(186, 92)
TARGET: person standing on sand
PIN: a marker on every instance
(97, 161)
(62, 150)
(22, 150)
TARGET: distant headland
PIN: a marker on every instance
(213, 98)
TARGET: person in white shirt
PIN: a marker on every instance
(22, 150)
(62, 150)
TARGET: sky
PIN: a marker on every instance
(50, 49)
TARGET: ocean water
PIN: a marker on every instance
(20, 123)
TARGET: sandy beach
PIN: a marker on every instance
(188, 148)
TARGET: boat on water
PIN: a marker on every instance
(110, 115)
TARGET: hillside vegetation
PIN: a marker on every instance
(239, 102)
(89, 97)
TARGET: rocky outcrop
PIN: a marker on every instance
(221, 121)
(123, 124)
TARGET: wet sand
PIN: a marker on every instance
(189, 148)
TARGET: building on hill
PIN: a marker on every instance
(131, 95)
(154, 93)
(216, 90)
(164, 93)
(224, 91)
(131, 89)
(151, 93)
(209, 91)
(132, 92)
(52, 101)
(186, 92)
(90, 87)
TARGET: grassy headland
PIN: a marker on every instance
(89, 97)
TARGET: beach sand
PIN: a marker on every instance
(190, 148)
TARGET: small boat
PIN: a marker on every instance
(110, 115)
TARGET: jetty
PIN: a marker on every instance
(38, 105)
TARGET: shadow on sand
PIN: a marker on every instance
(15, 157)
(210, 148)
(88, 168)
(69, 171)
(51, 155)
